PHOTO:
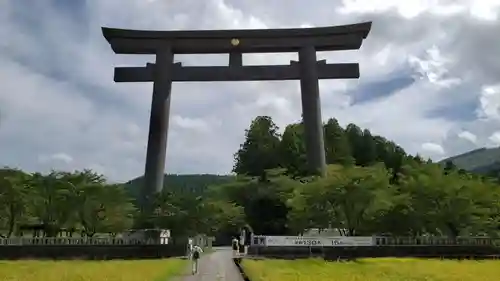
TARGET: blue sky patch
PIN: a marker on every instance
(369, 92)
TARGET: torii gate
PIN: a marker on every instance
(165, 44)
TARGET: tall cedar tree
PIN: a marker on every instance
(293, 150)
(259, 152)
(337, 148)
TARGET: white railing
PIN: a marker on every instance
(263, 240)
(436, 241)
(19, 241)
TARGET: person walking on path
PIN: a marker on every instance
(195, 257)
(236, 247)
(216, 265)
(189, 248)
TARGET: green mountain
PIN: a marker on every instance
(482, 161)
(194, 183)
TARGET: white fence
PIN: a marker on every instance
(337, 241)
(360, 241)
(436, 240)
(19, 241)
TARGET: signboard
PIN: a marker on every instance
(336, 241)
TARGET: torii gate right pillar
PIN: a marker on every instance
(311, 111)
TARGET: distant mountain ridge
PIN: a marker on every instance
(482, 160)
(190, 183)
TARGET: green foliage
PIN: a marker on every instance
(185, 184)
(14, 191)
(57, 201)
(337, 147)
(84, 202)
(386, 191)
(292, 150)
(372, 187)
(260, 150)
(350, 198)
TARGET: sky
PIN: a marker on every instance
(430, 80)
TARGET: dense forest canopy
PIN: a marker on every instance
(372, 187)
(193, 184)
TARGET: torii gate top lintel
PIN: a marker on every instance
(333, 38)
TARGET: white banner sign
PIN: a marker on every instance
(337, 241)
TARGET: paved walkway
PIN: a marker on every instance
(215, 266)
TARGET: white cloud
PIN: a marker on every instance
(410, 9)
(57, 95)
(495, 138)
(466, 135)
(489, 103)
(190, 123)
(59, 157)
(433, 148)
(433, 68)
(486, 10)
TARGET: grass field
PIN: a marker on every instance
(139, 270)
(381, 269)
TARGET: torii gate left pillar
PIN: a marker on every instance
(158, 125)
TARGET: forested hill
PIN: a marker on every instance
(372, 186)
(265, 148)
(482, 161)
(194, 183)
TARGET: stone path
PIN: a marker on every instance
(215, 266)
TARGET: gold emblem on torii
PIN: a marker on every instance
(235, 42)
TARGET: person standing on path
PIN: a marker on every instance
(195, 257)
(189, 248)
(236, 247)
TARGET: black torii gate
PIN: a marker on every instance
(164, 44)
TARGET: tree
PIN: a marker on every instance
(353, 197)
(117, 212)
(187, 214)
(449, 204)
(85, 191)
(168, 214)
(293, 150)
(259, 152)
(222, 216)
(354, 136)
(310, 207)
(367, 154)
(337, 146)
(64, 201)
(52, 201)
(14, 195)
(104, 208)
(449, 166)
(264, 202)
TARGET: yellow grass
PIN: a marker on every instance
(123, 270)
(380, 269)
